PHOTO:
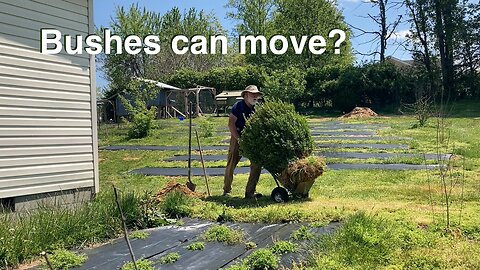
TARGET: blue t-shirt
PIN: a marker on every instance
(241, 110)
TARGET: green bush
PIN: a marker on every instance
(136, 104)
(303, 233)
(142, 264)
(283, 247)
(222, 233)
(176, 205)
(170, 258)
(286, 85)
(262, 259)
(142, 123)
(207, 128)
(276, 135)
(196, 246)
(64, 259)
(139, 235)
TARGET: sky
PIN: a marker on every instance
(355, 13)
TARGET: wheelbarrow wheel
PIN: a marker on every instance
(279, 195)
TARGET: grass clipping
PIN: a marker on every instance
(300, 174)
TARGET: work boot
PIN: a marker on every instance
(253, 196)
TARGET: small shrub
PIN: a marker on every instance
(64, 259)
(139, 95)
(207, 128)
(177, 204)
(302, 234)
(276, 135)
(262, 259)
(139, 235)
(141, 124)
(142, 264)
(224, 234)
(170, 258)
(196, 246)
(283, 247)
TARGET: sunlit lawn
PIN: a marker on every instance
(416, 197)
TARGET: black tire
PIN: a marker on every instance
(279, 195)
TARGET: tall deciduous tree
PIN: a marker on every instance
(308, 18)
(190, 23)
(119, 69)
(385, 27)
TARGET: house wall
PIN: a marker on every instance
(48, 132)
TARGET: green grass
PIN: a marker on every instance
(394, 198)
(283, 247)
(24, 235)
(414, 197)
(303, 233)
(139, 235)
(196, 246)
(170, 258)
(223, 234)
(371, 242)
(142, 264)
(64, 259)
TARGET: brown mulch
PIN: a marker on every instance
(360, 112)
(173, 186)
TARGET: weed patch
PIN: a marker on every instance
(262, 259)
(224, 234)
(142, 264)
(283, 247)
(170, 258)
(64, 259)
(196, 246)
(177, 205)
(139, 235)
(368, 242)
(302, 233)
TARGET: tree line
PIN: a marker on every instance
(444, 42)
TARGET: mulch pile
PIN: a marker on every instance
(360, 112)
(173, 186)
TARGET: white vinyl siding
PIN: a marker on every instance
(47, 102)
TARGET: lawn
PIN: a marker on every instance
(392, 219)
(416, 198)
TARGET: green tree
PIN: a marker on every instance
(136, 103)
(191, 23)
(291, 19)
(286, 85)
(119, 69)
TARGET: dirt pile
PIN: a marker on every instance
(300, 175)
(173, 186)
(360, 112)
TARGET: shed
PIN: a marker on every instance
(226, 99)
(48, 129)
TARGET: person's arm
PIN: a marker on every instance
(231, 126)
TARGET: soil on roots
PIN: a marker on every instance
(302, 171)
